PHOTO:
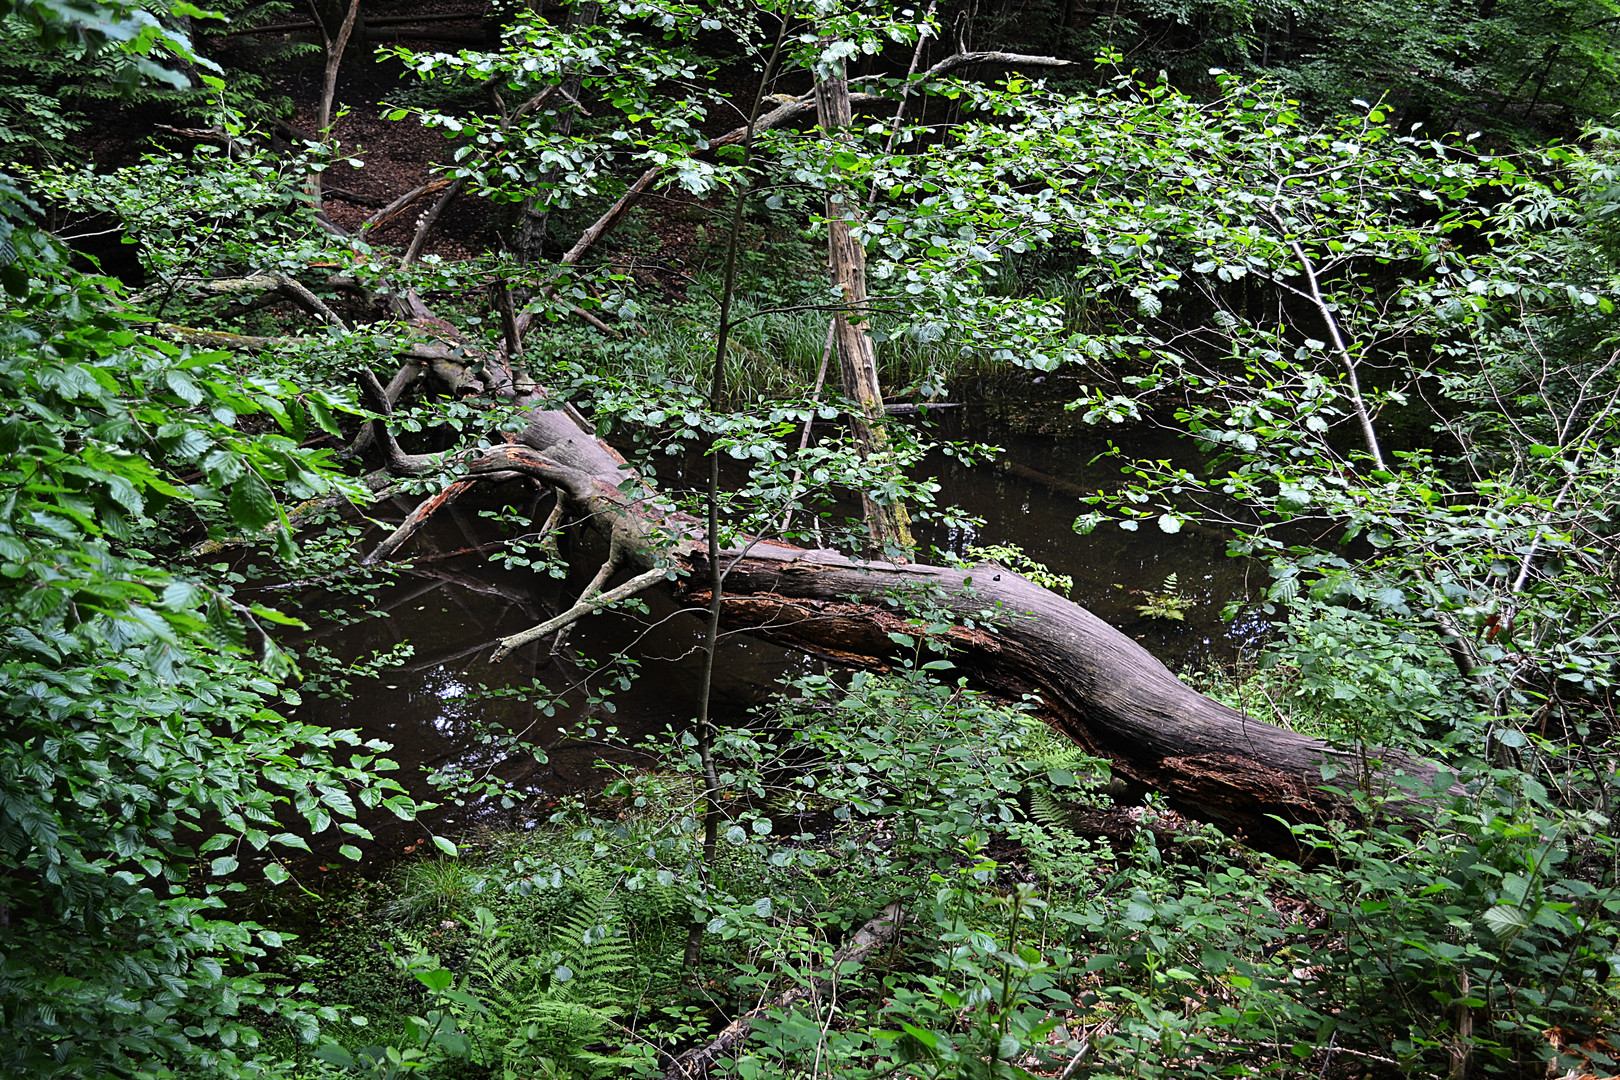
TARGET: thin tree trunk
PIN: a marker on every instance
(706, 729)
(334, 60)
(888, 523)
(536, 217)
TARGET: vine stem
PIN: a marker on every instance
(717, 390)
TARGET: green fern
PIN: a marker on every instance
(1048, 809)
(1045, 749)
(542, 1014)
(1170, 604)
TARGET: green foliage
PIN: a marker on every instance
(1017, 560)
(143, 763)
(1406, 297)
(522, 151)
(124, 679)
(1168, 603)
(106, 57)
(198, 215)
(436, 888)
(1297, 296)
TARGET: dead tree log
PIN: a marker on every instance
(1098, 686)
(1095, 684)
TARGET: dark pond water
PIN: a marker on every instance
(437, 707)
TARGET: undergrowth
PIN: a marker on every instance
(1029, 947)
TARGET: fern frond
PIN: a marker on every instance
(1046, 749)
(1045, 808)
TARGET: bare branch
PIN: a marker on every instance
(393, 209)
(308, 300)
(868, 939)
(1000, 59)
(428, 219)
(508, 645)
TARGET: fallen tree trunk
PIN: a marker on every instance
(1095, 684)
(1016, 638)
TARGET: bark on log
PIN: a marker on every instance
(1097, 685)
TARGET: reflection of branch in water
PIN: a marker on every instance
(441, 659)
(458, 553)
(474, 584)
(468, 533)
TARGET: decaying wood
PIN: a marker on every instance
(417, 518)
(998, 59)
(876, 933)
(309, 301)
(888, 524)
(425, 226)
(1099, 686)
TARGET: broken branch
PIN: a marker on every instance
(508, 645)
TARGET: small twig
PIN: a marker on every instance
(1074, 1062)
(867, 939)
